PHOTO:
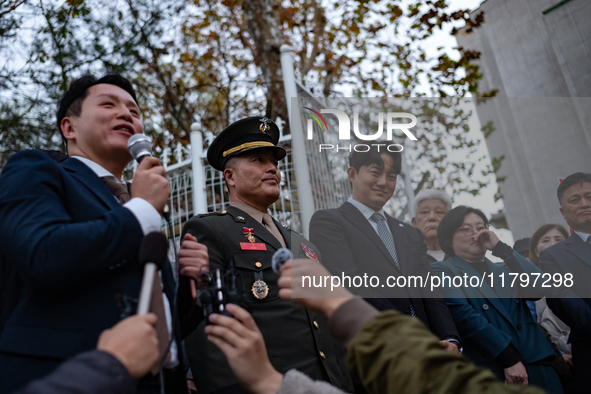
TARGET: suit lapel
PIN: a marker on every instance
(260, 231)
(485, 289)
(88, 179)
(578, 247)
(353, 215)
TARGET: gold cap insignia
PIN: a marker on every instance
(264, 127)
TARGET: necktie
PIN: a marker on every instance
(388, 241)
(589, 241)
(120, 191)
(272, 228)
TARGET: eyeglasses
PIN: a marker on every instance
(469, 230)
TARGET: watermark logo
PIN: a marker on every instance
(393, 122)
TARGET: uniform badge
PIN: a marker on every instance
(259, 289)
(309, 253)
(264, 126)
(241, 218)
(249, 234)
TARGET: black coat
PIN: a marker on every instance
(294, 336)
(573, 256)
(350, 246)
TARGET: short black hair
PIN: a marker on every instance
(573, 179)
(451, 222)
(373, 156)
(71, 103)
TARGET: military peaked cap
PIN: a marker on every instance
(241, 136)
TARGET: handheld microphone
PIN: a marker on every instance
(153, 252)
(140, 146)
(279, 258)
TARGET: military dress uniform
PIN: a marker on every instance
(295, 337)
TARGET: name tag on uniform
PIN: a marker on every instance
(253, 246)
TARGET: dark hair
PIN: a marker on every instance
(534, 254)
(71, 103)
(573, 179)
(373, 156)
(451, 222)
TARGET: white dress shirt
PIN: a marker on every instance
(149, 220)
(367, 212)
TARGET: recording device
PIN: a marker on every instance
(153, 252)
(279, 258)
(140, 146)
(219, 289)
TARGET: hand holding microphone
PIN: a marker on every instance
(149, 181)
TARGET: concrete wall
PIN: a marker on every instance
(541, 65)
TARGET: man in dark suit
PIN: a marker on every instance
(360, 238)
(573, 256)
(71, 231)
(244, 238)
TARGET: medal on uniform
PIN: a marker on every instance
(259, 289)
(264, 127)
(249, 234)
(309, 253)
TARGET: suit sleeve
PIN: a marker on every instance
(93, 372)
(327, 233)
(441, 322)
(472, 326)
(39, 236)
(566, 304)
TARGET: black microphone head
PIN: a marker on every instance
(139, 145)
(154, 249)
(279, 258)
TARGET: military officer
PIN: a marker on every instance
(245, 237)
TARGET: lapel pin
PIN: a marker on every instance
(401, 225)
(240, 218)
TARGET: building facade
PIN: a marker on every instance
(537, 53)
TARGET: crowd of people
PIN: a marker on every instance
(72, 231)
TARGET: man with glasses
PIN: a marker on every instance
(359, 238)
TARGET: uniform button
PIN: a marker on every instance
(485, 307)
(316, 324)
(258, 264)
(322, 355)
(519, 326)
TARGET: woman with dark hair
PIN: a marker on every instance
(497, 329)
(544, 237)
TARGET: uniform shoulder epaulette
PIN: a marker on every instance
(204, 215)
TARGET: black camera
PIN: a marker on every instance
(220, 288)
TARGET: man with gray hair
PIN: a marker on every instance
(430, 207)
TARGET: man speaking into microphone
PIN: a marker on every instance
(72, 232)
